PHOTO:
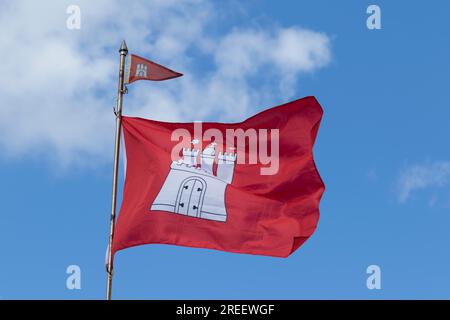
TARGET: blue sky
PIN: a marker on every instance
(381, 149)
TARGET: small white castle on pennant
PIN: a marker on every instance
(192, 189)
(141, 70)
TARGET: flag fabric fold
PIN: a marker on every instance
(208, 192)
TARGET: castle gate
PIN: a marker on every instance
(190, 196)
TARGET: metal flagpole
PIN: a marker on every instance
(109, 268)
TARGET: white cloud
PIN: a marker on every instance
(422, 176)
(58, 85)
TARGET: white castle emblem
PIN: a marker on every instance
(141, 70)
(192, 189)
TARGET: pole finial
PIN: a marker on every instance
(123, 47)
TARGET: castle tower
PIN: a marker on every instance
(225, 166)
(190, 156)
(208, 156)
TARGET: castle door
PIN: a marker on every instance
(190, 196)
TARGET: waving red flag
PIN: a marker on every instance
(142, 69)
(249, 187)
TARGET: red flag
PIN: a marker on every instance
(142, 69)
(250, 187)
